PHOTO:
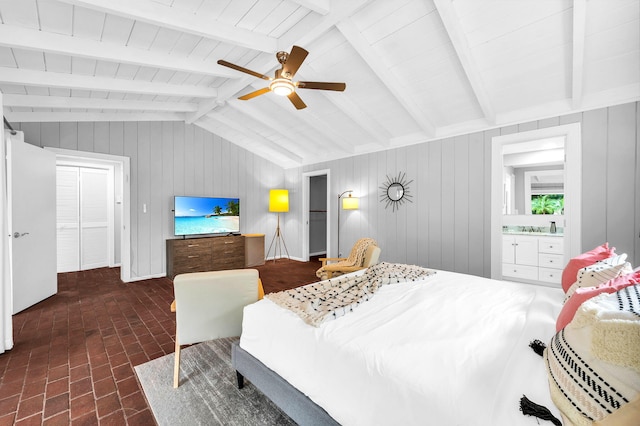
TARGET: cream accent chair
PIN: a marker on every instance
(209, 306)
(371, 257)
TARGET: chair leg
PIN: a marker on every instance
(176, 367)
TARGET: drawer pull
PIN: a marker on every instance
(192, 256)
(193, 245)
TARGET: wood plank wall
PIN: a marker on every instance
(167, 159)
(446, 226)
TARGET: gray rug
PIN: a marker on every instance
(208, 393)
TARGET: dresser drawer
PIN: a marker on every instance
(555, 261)
(551, 245)
(549, 275)
(181, 247)
(236, 262)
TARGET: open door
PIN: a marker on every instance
(31, 175)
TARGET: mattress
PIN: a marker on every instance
(452, 349)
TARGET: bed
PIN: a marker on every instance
(450, 349)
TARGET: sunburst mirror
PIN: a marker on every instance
(395, 191)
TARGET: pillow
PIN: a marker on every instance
(582, 294)
(570, 271)
(599, 273)
(593, 364)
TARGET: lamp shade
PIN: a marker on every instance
(350, 203)
(279, 200)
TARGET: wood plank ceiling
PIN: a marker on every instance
(415, 70)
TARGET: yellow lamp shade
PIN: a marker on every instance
(350, 203)
(279, 200)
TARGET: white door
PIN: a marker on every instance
(84, 218)
(94, 218)
(32, 223)
(68, 218)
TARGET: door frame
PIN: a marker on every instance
(306, 193)
(121, 169)
(573, 188)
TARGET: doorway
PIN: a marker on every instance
(316, 238)
(121, 234)
(571, 137)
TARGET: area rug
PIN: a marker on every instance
(208, 393)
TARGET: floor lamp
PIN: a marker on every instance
(348, 203)
(278, 203)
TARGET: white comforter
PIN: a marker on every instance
(449, 350)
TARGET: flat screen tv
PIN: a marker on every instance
(206, 215)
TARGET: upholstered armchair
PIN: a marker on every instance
(209, 306)
(364, 253)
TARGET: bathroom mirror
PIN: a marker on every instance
(533, 177)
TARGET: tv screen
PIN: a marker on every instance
(206, 215)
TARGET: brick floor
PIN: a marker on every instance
(74, 353)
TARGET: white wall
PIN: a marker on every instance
(446, 226)
(168, 159)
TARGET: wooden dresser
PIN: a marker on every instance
(204, 254)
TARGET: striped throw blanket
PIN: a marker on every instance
(330, 299)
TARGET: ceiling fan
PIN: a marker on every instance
(282, 84)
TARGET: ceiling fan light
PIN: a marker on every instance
(282, 87)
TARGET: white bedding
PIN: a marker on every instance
(450, 350)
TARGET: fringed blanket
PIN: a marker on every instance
(330, 299)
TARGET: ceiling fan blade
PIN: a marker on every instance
(339, 87)
(296, 57)
(241, 69)
(254, 94)
(296, 101)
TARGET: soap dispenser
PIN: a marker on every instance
(552, 228)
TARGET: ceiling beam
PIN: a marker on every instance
(34, 101)
(579, 28)
(156, 13)
(25, 38)
(461, 46)
(75, 81)
(37, 117)
(386, 77)
(265, 65)
(322, 7)
(256, 137)
(311, 28)
(331, 141)
(258, 114)
(370, 126)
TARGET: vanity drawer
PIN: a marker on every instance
(551, 245)
(549, 275)
(555, 261)
(519, 271)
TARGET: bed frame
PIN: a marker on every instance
(294, 403)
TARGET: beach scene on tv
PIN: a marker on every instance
(204, 215)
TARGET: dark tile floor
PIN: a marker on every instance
(74, 353)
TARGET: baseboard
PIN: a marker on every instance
(147, 277)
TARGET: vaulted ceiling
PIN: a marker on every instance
(415, 70)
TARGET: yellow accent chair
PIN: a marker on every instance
(209, 305)
(364, 253)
